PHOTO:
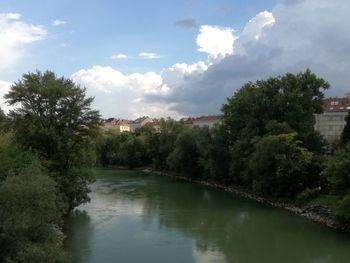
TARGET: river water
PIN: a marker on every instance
(136, 217)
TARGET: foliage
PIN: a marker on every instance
(342, 212)
(133, 152)
(3, 120)
(337, 171)
(13, 157)
(31, 213)
(291, 99)
(307, 195)
(184, 159)
(345, 137)
(279, 166)
(53, 118)
(165, 142)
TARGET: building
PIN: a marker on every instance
(139, 122)
(202, 121)
(116, 124)
(330, 124)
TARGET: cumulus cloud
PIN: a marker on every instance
(293, 36)
(119, 56)
(118, 94)
(4, 89)
(148, 55)
(216, 41)
(15, 36)
(187, 23)
(58, 22)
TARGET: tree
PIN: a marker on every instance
(279, 166)
(337, 171)
(2, 120)
(291, 99)
(30, 218)
(271, 107)
(184, 159)
(345, 137)
(53, 117)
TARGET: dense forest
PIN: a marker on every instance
(266, 144)
(51, 139)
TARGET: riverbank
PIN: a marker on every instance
(317, 213)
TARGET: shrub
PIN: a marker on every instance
(307, 195)
(342, 212)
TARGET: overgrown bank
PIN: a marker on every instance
(266, 144)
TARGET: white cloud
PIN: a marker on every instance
(216, 41)
(148, 55)
(58, 22)
(15, 36)
(294, 36)
(4, 89)
(120, 95)
(119, 56)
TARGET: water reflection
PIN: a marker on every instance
(136, 217)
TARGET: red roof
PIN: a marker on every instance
(336, 104)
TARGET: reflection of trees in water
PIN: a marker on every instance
(243, 231)
(78, 229)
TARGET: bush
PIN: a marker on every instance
(307, 195)
(30, 218)
(342, 212)
(337, 171)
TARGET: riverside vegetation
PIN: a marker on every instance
(266, 145)
(51, 139)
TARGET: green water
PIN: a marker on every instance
(135, 217)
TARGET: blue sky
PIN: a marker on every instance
(173, 58)
(97, 29)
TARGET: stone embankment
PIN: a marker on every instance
(317, 213)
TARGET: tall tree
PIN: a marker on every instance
(53, 117)
(346, 132)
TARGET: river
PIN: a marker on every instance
(137, 217)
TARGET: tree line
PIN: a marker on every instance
(266, 144)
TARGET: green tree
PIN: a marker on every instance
(13, 157)
(345, 137)
(53, 117)
(30, 218)
(272, 107)
(291, 99)
(184, 159)
(165, 141)
(279, 166)
(337, 171)
(2, 120)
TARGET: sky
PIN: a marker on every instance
(172, 58)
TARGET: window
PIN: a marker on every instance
(334, 103)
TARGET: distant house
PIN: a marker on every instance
(330, 124)
(116, 124)
(139, 122)
(202, 121)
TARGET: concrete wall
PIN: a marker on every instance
(330, 124)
